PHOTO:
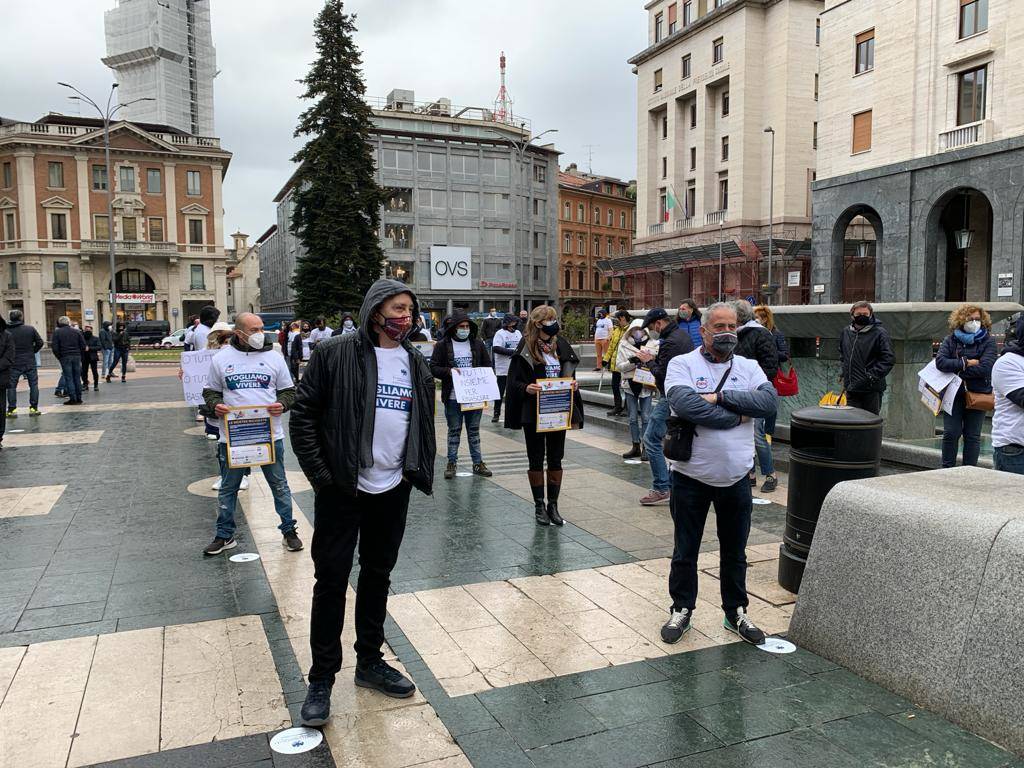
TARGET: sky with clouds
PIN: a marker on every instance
(566, 69)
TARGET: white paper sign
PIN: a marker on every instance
(451, 268)
(945, 384)
(475, 385)
(644, 377)
(196, 367)
(1004, 286)
(793, 280)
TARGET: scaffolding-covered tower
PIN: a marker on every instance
(163, 49)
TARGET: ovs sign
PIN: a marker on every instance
(451, 268)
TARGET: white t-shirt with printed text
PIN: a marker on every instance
(552, 368)
(1008, 419)
(249, 378)
(603, 329)
(505, 340)
(462, 351)
(391, 421)
(721, 457)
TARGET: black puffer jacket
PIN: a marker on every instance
(521, 406)
(866, 356)
(6, 355)
(332, 420)
(443, 358)
(757, 343)
(27, 342)
(675, 340)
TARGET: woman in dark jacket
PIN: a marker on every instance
(970, 352)
(542, 354)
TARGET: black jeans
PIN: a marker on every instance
(539, 443)
(690, 501)
(869, 401)
(966, 422)
(502, 381)
(617, 389)
(87, 363)
(377, 521)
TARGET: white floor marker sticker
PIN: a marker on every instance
(463, 474)
(14, 431)
(633, 461)
(296, 740)
(760, 501)
(244, 557)
(777, 645)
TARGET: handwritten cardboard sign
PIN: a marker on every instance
(475, 385)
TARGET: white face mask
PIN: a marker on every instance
(349, 323)
(256, 340)
(972, 326)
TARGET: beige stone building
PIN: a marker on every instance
(714, 76)
(921, 151)
(243, 276)
(167, 223)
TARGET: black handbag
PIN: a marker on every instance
(679, 433)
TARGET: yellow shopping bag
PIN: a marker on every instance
(831, 398)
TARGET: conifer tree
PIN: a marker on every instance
(337, 198)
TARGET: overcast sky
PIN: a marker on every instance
(566, 69)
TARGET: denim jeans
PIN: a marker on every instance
(966, 422)
(32, 377)
(120, 356)
(690, 501)
(71, 374)
(1009, 458)
(227, 496)
(108, 356)
(653, 435)
(639, 414)
(455, 417)
(763, 449)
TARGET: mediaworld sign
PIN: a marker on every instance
(451, 268)
(135, 298)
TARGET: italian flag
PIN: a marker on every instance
(670, 201)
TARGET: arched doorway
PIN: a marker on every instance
(136, 295)
(959, 246)
(856, 243)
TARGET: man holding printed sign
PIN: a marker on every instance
(249, 388)
(459, 349)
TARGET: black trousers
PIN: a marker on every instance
(539, 443)
(617, 389)
(377, 523)
(869, 401)
(87, 363)
(502, 381)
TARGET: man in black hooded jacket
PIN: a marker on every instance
(362, 428)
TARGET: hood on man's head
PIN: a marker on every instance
(455, 319)
(378, 293)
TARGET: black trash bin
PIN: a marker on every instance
(828, 444)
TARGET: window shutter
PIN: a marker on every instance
(863, 37)
(672, 14)
(862, 131)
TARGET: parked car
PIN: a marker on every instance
(148, 331)
(176, 339)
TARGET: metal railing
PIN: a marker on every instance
(655, 229)
(688, 223)
(964, 135)
(716, 217)
(129, 246)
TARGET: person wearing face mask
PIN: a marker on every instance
(301, 348)
(322, 332)
(363, 431)
(866, 357)
(970, 352)
(672, 342)
(459, 348)
(721, 393)
(91, 359)
(490, 326)
(621, 322)
(542, 354)
(505, 343)
(689, 318)
(638, 397)
(348, 325)
(247, 372)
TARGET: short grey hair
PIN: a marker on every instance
(16, 315)
(744, 312)
(63, 320)
(718, 305)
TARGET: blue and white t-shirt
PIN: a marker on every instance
(462, 351)
(249, 378)
(391, 422)
(552, 368)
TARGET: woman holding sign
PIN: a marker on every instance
(459, 347)
(638, 384)
(542, 399)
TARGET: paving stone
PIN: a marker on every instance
(766, 675)
(597, 681)
(228, 753)
(493, 749)
(38, 618)
(534, 721)
(744, 719)
(70, 589)
(953, 743)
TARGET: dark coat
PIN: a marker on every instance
(92, 347)
(295, 353)
(442, 360)
(106, 338)
(332, 421)
(675, 340)
(781, 347)
(866, 357)
(954, 354)
(27, 342)
(489, 327)
(521, 406)
(122, 341)
(6, 355)
(67, 342)
(757, 343)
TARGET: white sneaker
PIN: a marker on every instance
(245, 483)
(216, 485)
(211, 437)
(199, 417)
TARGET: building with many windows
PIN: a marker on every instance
(453, 176)
(596, 222)
(167, 224)
(714, 78)
(921, 151)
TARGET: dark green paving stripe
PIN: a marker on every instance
(243, 752)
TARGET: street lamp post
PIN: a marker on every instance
(721, 224)
(520, 148)
(106, 115)
(771, 213)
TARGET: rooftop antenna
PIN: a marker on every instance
(503, 102)
(590, 156)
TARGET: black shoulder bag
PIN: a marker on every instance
(679, 433)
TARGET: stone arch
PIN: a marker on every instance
(840, 259)
(967, 275)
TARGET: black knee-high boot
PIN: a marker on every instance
(537, 488)
(554, 486)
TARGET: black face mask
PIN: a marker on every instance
(861, 320)
(551, 329)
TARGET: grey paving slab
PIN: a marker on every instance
(37, 618)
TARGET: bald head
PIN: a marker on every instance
(248, 322)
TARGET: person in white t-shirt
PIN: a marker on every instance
(1008, 419)
(322, 332)
(503, 346)
(602, 336)
(248, 373)
(719, 394)
(363, 431)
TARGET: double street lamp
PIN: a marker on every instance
(520, 147)
(107, 115)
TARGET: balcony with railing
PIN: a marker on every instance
(716, 217)
(965, 135)
(71, 131)
(130, 246)
(683, 224)
(655, 229)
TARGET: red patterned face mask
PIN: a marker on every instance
(396, 328)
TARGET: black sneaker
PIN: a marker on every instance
(741, 624)
(753, 480)
(770, 484)
(449, 471)
(482, 470)
(678, 624)
(292, 542)
(495, 418)
(553, 516)
(218, 545)
(385, 679)
(316, 709)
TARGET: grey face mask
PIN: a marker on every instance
(462, 334)
(724, 343)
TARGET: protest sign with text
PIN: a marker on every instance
(554, 405)
(474, 387)
(196, 374)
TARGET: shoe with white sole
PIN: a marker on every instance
(741, 624)
(245, 483)
(216, 485)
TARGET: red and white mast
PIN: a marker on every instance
(503, 102)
